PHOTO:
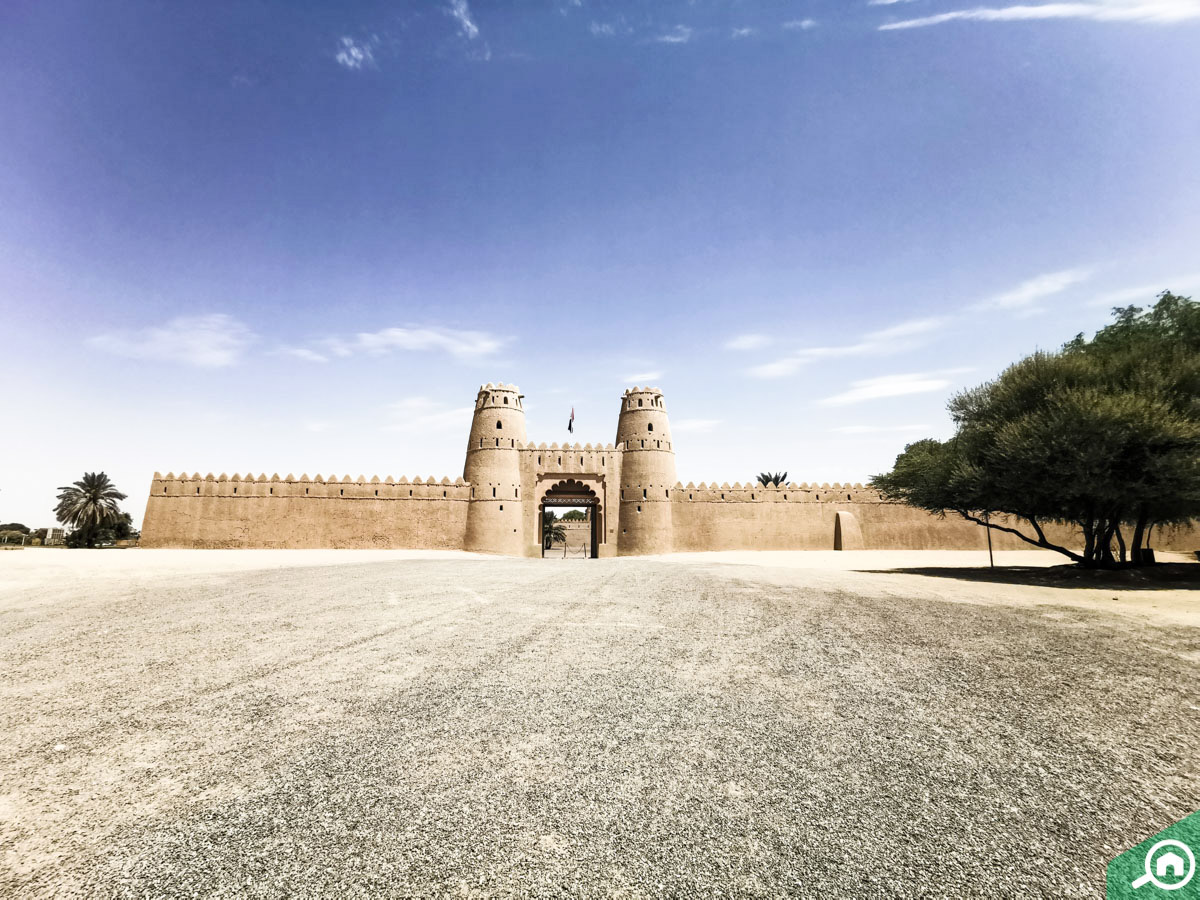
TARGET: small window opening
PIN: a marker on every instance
(493, 492)
(560, 460)
(639, 402)
(643, 493)
(271, 490)
(164, 488)
(751, 496)
(305, 490)
(643, 443)
(197, 490)
(499, 425)
(847, 496)
(235, 490)
(506, 401)
(539, 459)
(818, 496)
(377, 492)
(639, 507)
(650, 426)
(689, 496)
(341, 492)
(497, 442)
(410, 492)
(722, 496)
(501, 507)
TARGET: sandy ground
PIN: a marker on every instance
(276, 724)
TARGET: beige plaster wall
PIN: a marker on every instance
(202, 513)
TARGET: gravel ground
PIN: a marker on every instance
(492, 727)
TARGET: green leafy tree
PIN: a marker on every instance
(553, 531)
(1103, 435)
(88, 506)
(574, 515)
(14, 526)
(775, 478)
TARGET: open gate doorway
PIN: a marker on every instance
(566, 540)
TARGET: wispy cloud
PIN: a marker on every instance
(742, 32)
(462, 14)
(353, 54)
(422, 415)
(747, 342)
(680, 34)
(1159, 12)
(1145, 294)
(602, 29)
(211, 341)
(462, 344)
(876, 343)
(694, 426)
(1028, 293)
(306, 354)
(892, 386)
(641, 377)
(877, 429)
(457, 343)
(799, 24)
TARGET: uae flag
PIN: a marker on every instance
(571, 421)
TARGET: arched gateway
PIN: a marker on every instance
(574, 493)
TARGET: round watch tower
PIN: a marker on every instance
(647, 473)
(493, 468)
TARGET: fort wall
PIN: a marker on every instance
(497, 506)
(296, 513)
(804, 517)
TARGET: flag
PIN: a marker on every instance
(571, 421)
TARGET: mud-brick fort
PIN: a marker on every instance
(636, 504)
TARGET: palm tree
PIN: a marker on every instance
(552, 530)
(89, 505)
(775, 478)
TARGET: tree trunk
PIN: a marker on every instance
(1089, 542)
(1139, 534)
(1121, 544)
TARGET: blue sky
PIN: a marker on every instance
(297, 237)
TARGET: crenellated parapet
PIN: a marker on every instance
(316, 487)
(753, 492)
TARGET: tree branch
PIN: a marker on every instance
(1039, 542)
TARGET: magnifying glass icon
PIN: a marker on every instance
(1168, 864)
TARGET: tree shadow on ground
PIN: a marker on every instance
(1163, 576)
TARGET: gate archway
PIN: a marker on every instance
(570, 492)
